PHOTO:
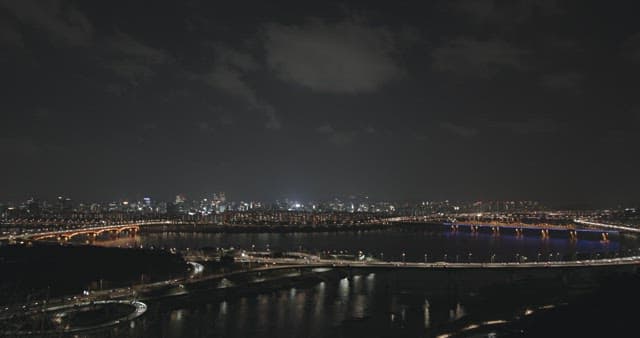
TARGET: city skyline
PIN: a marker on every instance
(232, 198)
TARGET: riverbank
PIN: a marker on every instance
(263, 228)
(50, 270)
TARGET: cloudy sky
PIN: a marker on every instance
(472, 100)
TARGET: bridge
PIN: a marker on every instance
(92, 232)
(543, 230)
(284, 263)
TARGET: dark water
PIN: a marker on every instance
(366, 303)
(390, 244)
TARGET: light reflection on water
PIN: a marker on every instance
(377, 302)
(457, 313)
(427, 320)
(385, 304)
(389, 244)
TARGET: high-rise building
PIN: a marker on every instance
(180, 198)
(33, 207)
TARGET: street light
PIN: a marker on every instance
(403, 255)
(425, 258)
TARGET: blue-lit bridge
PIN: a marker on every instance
(597, 231)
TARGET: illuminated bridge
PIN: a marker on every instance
(605, 232)
(91, 231)
(283, 263)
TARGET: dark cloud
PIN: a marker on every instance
(230, 74)
(18, 146)
(337, 137)
(205, 127)
(513, 11)
(133, 60)
(335, 57)
(273, 122)
(9, 35)
(231, 80)
(530, 126)
(241, 61)
(459, 130)
(325, 129)
(125, 45)
(341, 138)
(60, 20)
(205, 83)
(149, 126)
(42, 113)
(370, 129)
(564, 82)
(116, 89)
(635, 113)
(217, 123)
(481, 58)
(631, 47)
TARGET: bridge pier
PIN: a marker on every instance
(544, 233)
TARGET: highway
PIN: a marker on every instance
(139, 309)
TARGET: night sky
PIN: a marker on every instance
(467, 100)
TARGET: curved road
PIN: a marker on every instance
(140, 309)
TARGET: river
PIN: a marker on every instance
(369, 304)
